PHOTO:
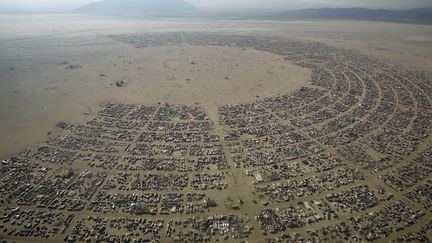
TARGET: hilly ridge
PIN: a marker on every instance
(137, 7)
(410, 15)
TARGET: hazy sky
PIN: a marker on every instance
(229, 4)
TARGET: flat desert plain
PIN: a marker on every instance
(37, 90)
(120, 129)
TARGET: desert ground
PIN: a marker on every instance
(37, 91)
(64, 68)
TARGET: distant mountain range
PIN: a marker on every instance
(138, 7)
(411, 15)
(182, 8)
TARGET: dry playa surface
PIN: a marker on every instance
(37, 89)
(210, 76)
(47, 78)
(237, 131)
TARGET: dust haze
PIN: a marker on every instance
(38, 90)
(205, 129)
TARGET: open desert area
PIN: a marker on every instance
(176, 130)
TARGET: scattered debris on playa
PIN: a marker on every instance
(120, 83)
(61, 125)
(72, 66)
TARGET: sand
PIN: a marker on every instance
(62, 67)
(37, 91)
